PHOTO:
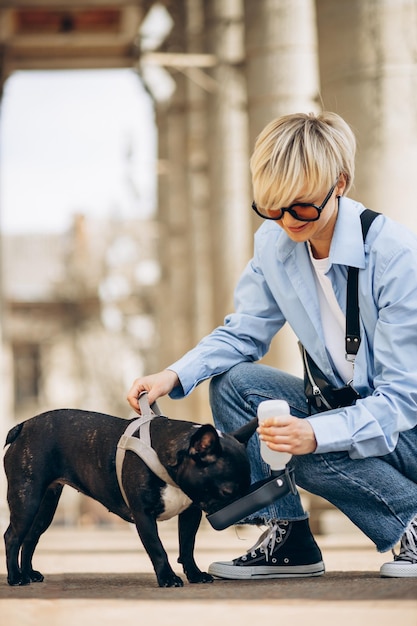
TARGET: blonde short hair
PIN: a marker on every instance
(299, 156)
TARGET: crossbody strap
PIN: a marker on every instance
(353, 334)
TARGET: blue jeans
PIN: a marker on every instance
(378, 494)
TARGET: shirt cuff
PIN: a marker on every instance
(189, 377)
(328, 428)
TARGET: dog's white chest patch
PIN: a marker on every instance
(175, 501)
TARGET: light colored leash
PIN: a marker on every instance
(142, 445)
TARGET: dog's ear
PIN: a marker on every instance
(245, 432)
(205, 445)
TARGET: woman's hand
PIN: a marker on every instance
(286, 433)
(156, 385)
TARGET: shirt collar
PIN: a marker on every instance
(347, 242)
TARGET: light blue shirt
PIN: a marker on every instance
(278, 286)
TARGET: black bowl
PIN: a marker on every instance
(260, 494)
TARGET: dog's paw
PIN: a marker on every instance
(200, 577)
(35, 576)
(18, 581)
(170, 581)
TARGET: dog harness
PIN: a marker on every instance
(141, 446)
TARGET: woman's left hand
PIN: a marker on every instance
(286, 433)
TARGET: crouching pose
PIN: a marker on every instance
(352, 423)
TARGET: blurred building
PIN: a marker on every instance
(79, 316)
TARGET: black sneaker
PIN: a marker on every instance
(284, 550)
(404, 564)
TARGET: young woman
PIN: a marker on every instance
(361, 457)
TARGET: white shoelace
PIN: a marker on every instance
(408, 549)
(269, 538)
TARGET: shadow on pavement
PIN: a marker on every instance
(335, 586)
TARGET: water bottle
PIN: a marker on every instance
(270, 408)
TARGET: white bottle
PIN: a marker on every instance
(271, 408)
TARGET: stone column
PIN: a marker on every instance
(198, 180)
(368, 67)
(175, 315)
(175, 294)
(186, 310)
(281, 59)
(230, 195)
(200, 217)
(282, 77)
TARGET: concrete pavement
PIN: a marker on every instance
(103, 574)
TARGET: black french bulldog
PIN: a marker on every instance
(77, 448)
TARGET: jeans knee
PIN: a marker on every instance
(217, 386)
(216, 383)
(221, 384)
(227, 398)
(305, 470)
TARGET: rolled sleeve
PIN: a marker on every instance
(245, 335)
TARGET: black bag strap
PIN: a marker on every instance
(353, 335)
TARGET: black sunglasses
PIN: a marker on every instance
(302, 211)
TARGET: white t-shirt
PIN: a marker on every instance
(333, 319)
